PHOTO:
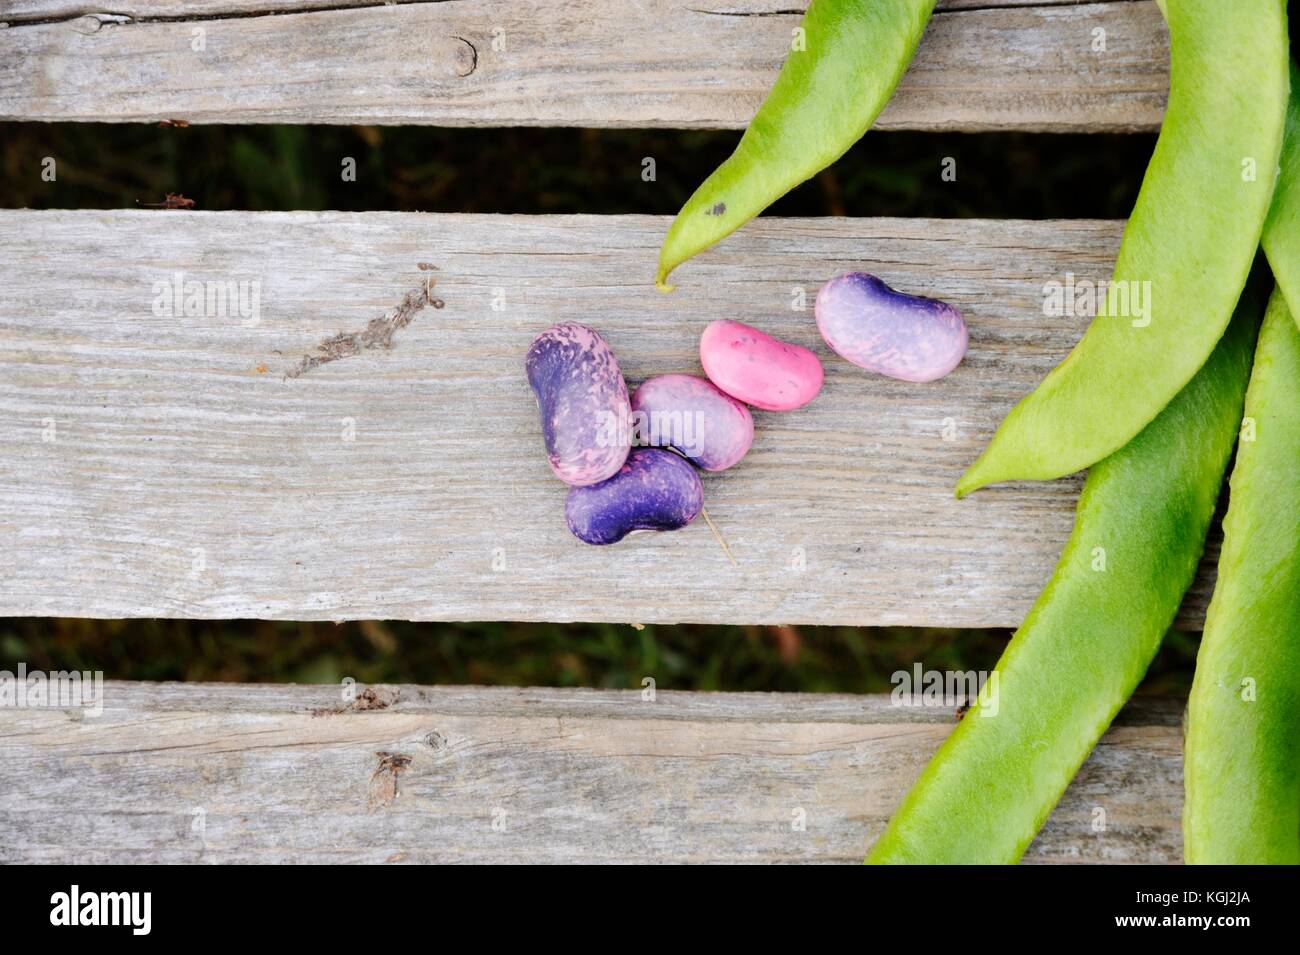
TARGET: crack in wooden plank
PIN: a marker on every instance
(235, 13)
(90, 11)
(377, 334)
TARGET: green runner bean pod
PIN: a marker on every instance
(832, 87)
(1281, 238)
(1243, 719)
(1186, 252)
(1138, 535)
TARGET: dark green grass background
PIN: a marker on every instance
(539, 171)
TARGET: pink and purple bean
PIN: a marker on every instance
(690, 414)
(583, 403)
(908, 337)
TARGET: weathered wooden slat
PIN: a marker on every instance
(29, 11)
(215, 773)
(170, 465)
(641, 63)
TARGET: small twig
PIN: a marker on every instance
(174, 200)
(721, 543)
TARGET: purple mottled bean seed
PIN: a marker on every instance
(654, 490)
(903, 336)
(582, 400)
(709, 428)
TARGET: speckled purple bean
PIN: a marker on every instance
(583, 403)
(654, 490)
(909, 337)
(710, 429)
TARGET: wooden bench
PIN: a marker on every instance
(358, 450)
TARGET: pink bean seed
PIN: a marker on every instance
(758, 369)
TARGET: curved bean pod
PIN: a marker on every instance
(1137, 538)
(1281, 239)
(1281, 236)
(1242, 749)
(827, 95)
(1191, 239)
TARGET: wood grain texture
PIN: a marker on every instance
(32, 11)
(216, 773)
(166, 466)
(640, 63)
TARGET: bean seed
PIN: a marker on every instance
(710, 429)
(758, 369)
(908, 337)
(654, 490)
(582, 400)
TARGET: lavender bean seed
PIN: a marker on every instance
(909, 337)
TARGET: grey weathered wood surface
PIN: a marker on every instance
(218, 773)
(672, 63)
(160, 466)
